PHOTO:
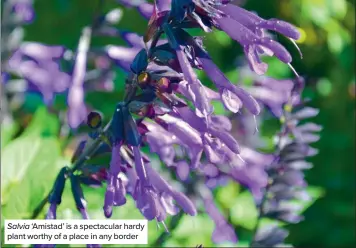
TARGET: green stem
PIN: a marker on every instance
(86, 155)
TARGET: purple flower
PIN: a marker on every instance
(272, 92)
(155, 200)
(185, 135)
(162, 144)
(123, 56)
(223, 231)
(78, 196)
(215, 139)
(232, 96)
(145, 9)
(252, 174)
(169, 110)
(115, 189)
(55, 197)
(287, 177)
(76, 109)
(243, 26)
(38, 65)
(24, 11)
(52, 212)
(269, 236)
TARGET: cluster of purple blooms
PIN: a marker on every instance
(168, 109)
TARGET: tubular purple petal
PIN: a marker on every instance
(52, 212)
(120, 192)
(228, 139)
(145, 202)
(231, 101)
(187, 69)
(279, 51)
(115, 162)
(221, 81)
(241, 15)
(305, 113)
(161, 185)
(146, 10)
(309, 127)
(182, 170)
(84, 214)
(183, 130)
(203, 107)
(167, 202)
(223, 231)
(211, 154)
(281, 27)
(161, 212)
(109, 197)
(77, 112)
(186, 204)
(221, 122)
(237, 31)
(139, 166)
(163, 5)
(254, 61)
(39, 51)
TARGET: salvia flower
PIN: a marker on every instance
(146, 186)
(185, 53)
(270, 92)
(144, 8)
(38, 65)
(242, 25)
(76, 108)
(287, 182)
(115, 192)
(168, 109)
(23, 10)
(223, 231)
(55, 197)
(78, 196)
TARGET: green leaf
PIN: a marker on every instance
(219, 108)
(227, 195)
(172, 243)
(29, 167)
(244, 211)
(194, 224)
(201, 226)
(43, 124)
(222, 38)
(338, 8)
(233, 76)
(243, 243)
(7, 132)
(276, 68)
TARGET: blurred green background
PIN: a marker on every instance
(327, 43)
